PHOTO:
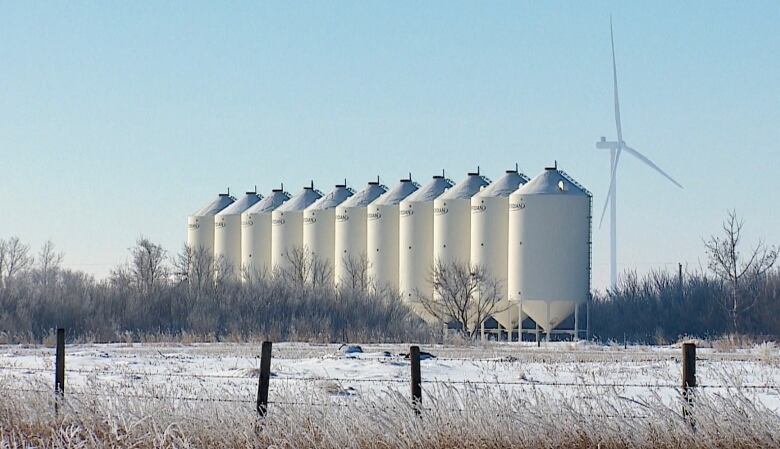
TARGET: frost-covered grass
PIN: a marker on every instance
(496, 395)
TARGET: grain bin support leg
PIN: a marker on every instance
(587, 320)
(577, 322)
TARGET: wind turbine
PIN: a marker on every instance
(616, 148)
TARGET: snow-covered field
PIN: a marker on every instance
(503, 384)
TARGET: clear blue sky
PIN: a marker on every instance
(121, 118)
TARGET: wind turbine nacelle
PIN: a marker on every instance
(605, 144)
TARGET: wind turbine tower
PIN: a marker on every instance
(615, 149)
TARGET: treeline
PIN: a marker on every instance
(661, 307)
(190, 295)
(157, 297)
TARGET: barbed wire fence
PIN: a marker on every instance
(262, 402)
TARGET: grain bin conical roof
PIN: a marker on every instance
(335, 197)
(504, 186)
(363, 198)
(466, 188)
(430, 191)
(397, 193)
(244, 203)
(214, 206)
(301, 200)
(269, 203)
(552, 181)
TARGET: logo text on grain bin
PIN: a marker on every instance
(342, 217)
(477, 209)
(520, 205)
(440, 210)
(193, 226)
(374, 216)
(309, 220)
(247, 222)
(406, 213)
(277, 221)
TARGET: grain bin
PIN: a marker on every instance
(350, 258)
(382, 234)
(200, 225)
(452, 220)
(319, 223)
(549, 247)
(227, 235)
(256, 234)
(287, 227)
(489, 232)
(415, 241)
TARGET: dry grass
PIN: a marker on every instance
(474, 418)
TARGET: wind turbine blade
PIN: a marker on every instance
(647, 161)
(611, 193)
(615, 82)
(604, 210)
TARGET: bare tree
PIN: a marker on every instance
(466, 295)
(321, 272)
(355, 273)
(148, 267)
(742, 276)
(253, 275)
(194, 267)
(15, 260)
(306, 269)
(298, 269)
(48, 264)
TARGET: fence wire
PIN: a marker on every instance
(442, 382)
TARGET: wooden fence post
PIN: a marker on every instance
(59, 369)
(688, 378)
(265, 379)
(59, 364)
(414, 356)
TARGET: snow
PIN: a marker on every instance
(504, 186)
(430, 191)
(269, 203)
(550, 182)
(230, 370)
(365, 196)
(301, 201)
(238, 207)
(219, 203)
(466, 188)
(333, 198)
(392, 197)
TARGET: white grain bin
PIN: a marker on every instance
(256, 234)
(287, 227)
(350, 239)
(415, 240)
(452, 220)
(319, 228)
(549, 247)
(489, 229)
(382, 234)
(227, 234)
(200, 225)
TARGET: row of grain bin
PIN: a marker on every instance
(532, 237)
